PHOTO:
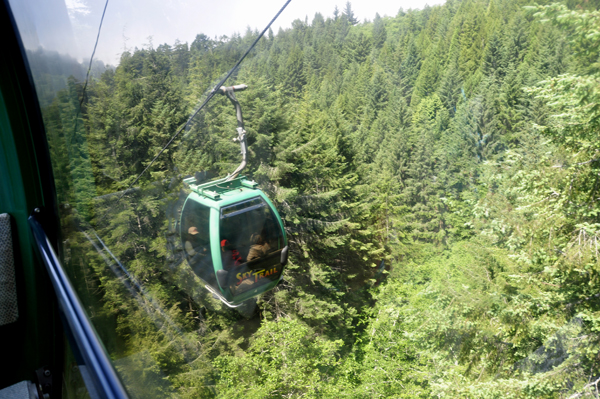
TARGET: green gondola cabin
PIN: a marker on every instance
(233, 238)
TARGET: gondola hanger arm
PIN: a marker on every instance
(241, 138)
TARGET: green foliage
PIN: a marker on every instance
(438, 177)
(284, 359)
(379, 32)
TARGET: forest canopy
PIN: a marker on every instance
(438, 176)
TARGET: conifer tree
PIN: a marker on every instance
(379, 32)
(357, 47)
(492, 58)
(409, 69)
(451, 89)
(349, 14)
(429, 76)
(292, 73)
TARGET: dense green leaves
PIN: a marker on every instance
(438, 175)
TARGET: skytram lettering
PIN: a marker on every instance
(253, 276)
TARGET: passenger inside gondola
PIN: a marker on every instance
(259, 247)
(230, 256)
(196, 244)
(196, 241)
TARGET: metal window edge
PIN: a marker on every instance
(97, 362)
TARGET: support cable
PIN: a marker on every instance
(87, 76)
(213, 92)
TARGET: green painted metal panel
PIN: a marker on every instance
(34, 337)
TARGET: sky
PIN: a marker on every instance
(138, 23)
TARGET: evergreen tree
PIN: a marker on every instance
(357, 47)
(292, 72)
(349, 14)
(409, 69)
(379, 32)
(451, 90)
(429, 76)
(492, 58)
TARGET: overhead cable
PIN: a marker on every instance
(212, 93)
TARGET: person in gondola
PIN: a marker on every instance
(259, 247)
(231, 257)
(194, 244)
(198, 250)
(232, 260)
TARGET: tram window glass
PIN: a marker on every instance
(195, 236)
(251, 243)
(364, 172)
(250, 228)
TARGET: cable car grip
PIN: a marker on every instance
(241, 138)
